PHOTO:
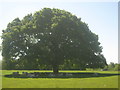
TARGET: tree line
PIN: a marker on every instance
(112, 67)
(66, 66)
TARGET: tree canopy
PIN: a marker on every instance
(50, 37)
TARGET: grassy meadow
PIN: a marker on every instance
(91, 82)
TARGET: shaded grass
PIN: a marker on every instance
(95, 82)
(64, 75)
(101, 82)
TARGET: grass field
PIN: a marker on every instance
(93, 82)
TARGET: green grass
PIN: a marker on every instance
(0, 79)
(94, 82)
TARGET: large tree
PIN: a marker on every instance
(50, 37)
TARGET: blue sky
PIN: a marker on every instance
(101, 17)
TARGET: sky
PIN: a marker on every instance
(101, 17)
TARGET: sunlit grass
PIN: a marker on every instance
(94, 82)
(20, 71)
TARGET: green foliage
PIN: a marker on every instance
(113, 67)
(0, 65)
(49, 37)
(0, 47)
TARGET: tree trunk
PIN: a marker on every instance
(55, 69)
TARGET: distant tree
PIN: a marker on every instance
(0, 47)
(49, 37)
(0, 60)
(112, 66)
(0, 64)
(117, 67)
